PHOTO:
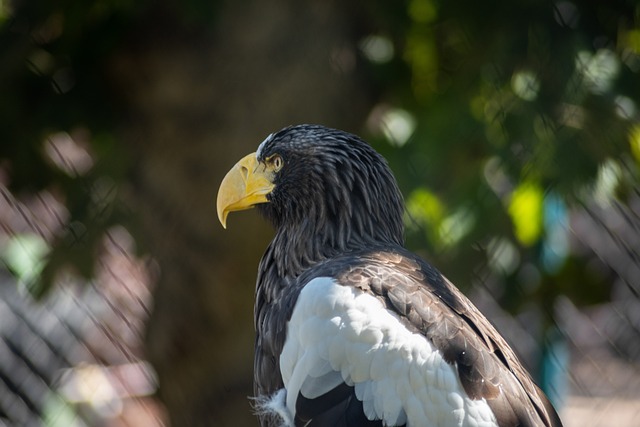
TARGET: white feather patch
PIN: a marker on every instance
(262, 144)
(274, 407)
(398, 375)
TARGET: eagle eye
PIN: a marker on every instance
(277, 162)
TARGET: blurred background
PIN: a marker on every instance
(513, 129)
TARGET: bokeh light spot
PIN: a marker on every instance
(525, 209)
(378, 49)
(526, 85)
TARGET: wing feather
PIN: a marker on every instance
(402, 345)
(384, 363)
(487, 366)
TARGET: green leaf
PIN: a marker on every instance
(525, 209)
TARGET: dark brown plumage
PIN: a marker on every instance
(338, 214)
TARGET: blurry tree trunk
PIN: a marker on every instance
(199, 103)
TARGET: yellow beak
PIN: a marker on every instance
(247, 184)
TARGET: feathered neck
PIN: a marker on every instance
(341, 219)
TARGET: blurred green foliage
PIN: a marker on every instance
(57, 74)
(519, 109)
(496, 112)
(499, 118)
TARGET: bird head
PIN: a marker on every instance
(324, 181)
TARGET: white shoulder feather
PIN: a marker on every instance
(340, 334)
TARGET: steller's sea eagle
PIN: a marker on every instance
(352, 328)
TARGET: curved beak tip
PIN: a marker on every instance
(222, 205)
(222, 217)
(242, 188)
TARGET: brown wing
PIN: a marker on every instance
(430, 304)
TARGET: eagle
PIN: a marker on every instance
(352, 329)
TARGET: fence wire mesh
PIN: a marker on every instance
(76, 358)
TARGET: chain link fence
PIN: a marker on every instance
(76, 357)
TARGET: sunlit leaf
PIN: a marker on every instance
(456, 226)
(24, 255)
(634, 141)
(525, 209)
(425, 211)
(423, 11)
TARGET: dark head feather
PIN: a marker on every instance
(334, 193)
